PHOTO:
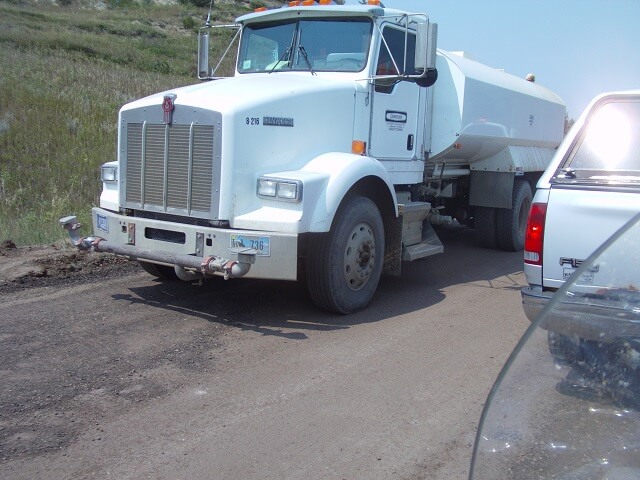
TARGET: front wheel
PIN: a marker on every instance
(344, 265)
(161, 272)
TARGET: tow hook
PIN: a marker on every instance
(211, 265)
(231, 268)
(71, 225)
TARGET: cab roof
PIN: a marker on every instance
(320, 11)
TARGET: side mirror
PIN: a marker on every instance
(203, 54)
(425, 59)
(428, 79)
(426, 43)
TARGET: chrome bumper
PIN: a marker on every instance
(203, 250)
(533, 302)
(589, 317)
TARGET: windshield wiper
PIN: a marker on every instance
(284, 55)
(567, 173)
(288, 53)
(306, 58)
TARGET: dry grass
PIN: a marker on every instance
(64, 75)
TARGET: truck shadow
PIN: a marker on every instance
(285, 309)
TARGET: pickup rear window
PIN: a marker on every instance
(607, 150)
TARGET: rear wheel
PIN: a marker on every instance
(162, 272)
(345, 264)
(564, 349)
(484, 223)
(512, 224)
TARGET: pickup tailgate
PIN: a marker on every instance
(579, 219)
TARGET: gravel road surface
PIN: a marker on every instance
(108, 373)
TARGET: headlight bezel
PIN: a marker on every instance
(109, 173)
(282, 189)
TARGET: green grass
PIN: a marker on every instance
(64, 74)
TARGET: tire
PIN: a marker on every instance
(344, 265)
(564, 350)
(159, 271)
(484, 223)
(512, 224)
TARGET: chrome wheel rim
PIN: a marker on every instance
(359, 256)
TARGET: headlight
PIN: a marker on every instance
(266, 187)
(109, 173)
(287, 190)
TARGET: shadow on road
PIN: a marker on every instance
(285, 309)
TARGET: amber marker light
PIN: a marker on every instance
(261, 9)
(308, 3)
(374, 2)
(358, 147)
(325, 2)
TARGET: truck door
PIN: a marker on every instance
(397, 109)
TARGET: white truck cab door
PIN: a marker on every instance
(394, 123)
(397, 107)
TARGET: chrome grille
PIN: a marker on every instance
(170, 167)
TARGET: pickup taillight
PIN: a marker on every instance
(534, 238)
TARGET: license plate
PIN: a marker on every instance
(102, 223)
(261, 244)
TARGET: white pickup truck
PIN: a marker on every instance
(589, 191)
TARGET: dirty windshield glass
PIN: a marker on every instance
(328, 45)
(567, 404)
(608, 150)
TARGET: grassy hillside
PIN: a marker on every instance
(64, 73)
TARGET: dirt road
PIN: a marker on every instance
(115, 375)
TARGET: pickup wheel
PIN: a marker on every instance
(512, 224)
(162, 272)
(564, 349)
(484, 223)
(345, 264)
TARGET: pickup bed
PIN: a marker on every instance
(589, 190)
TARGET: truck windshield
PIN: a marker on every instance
(330, 45)
(608, 149)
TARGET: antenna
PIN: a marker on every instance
(208, 22)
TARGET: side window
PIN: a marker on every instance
(392, 60)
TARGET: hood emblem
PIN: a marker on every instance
(168, 106)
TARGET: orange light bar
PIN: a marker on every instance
(374, 2)
(295, 3)
(325, 2)
(308, 3)
(261, 9)
(358, 147)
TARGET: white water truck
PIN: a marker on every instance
(342, 137)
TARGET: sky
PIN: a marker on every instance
(576, 48)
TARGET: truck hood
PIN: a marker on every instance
(262, 124)
(242, 92)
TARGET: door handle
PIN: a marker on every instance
(410, 142)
